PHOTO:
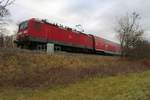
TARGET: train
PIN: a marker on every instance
(35, 34)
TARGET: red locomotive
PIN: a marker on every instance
(35, 34)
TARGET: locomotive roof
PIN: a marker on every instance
(58, 25)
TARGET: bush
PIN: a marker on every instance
(140, 51)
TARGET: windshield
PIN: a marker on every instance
(23, 25)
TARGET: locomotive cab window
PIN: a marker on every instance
(23, 25)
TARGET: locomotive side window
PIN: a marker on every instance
(23, 25)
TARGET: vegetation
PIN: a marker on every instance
(33, 75)
(31, 69)
(123, 87)
(130, 36)
(5, 41)
(140, 51)
(3, 7)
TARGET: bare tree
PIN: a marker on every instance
(3, 22)
(129, 31)
(3, 7)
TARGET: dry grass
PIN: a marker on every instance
(32, 69)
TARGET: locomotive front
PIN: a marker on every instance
(22, 34)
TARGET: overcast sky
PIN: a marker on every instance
(97, 17)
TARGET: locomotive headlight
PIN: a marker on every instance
(25, 31)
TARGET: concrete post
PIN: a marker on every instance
(50, 48)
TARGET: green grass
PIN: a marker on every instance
(123, 87)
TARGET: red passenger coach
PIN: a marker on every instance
(35, 34)
(106, 46)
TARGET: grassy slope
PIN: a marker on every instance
(71, 76)
(129, 87)
(28, 69)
